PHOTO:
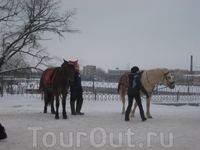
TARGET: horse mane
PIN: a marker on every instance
(70, 65)
(158, 70)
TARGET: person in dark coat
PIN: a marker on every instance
(3, 134)
(76, 92)
(134, 88)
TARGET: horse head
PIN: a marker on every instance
(70, 70)
(168, 80)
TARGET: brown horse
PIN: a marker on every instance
(64, 77)
(149, 79)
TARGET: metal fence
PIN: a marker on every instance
(108, 91)
(94, 90)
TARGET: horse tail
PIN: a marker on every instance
(41, 86)
(41, 83)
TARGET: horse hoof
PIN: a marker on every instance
(45, 111)
(53, 112)
(150, 117)
(123, 113)
(56, 117)
(65, 117)
(132, 116)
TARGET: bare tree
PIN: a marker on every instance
(23, 24)
(100, 73)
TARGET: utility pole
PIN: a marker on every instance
(191, 65)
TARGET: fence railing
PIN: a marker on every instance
(103, 91)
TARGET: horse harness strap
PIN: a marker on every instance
(153, 86)
(148, 80)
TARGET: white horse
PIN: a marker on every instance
(149, 79)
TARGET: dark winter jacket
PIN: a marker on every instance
(77, 82)
(135, 85)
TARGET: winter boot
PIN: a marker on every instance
(78, 108)
(142, 116)
(127, 116)
(72, 108)
(3, 134)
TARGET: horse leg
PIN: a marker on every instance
(52, 105)
(133, 111)
(148, 107)
(64, 107)
(123, 106)
(122, 96)
(45, 103)
(57, 106)
(51, 97)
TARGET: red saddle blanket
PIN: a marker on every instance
(50, 76)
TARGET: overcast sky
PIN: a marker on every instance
(124, 33)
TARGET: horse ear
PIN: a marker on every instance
(65, 61)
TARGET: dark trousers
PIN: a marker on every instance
(77, 96)
(3, 134)
(130, 104)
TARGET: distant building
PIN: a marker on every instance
(178, 72)
(116, 72)
(114, 75)
(89, 72)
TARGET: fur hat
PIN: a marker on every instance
(134, 69)
(74, 62)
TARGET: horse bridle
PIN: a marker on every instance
(168, 82)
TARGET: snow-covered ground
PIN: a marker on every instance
(102, 127)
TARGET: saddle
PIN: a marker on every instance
(50, 76)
